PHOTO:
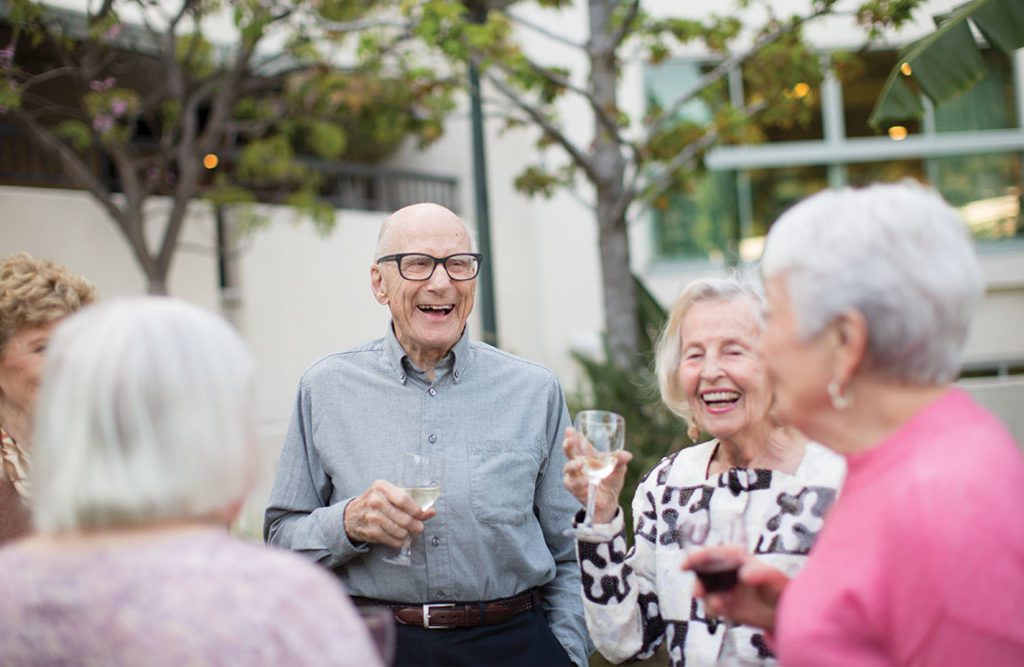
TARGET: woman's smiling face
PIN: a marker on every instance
(721, 372)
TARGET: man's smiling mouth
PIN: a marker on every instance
(439, 310)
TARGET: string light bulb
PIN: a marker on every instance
(210, 160)
(897, 133)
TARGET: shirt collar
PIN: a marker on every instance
(459, 355)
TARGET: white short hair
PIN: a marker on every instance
(896, 253)
(669, 350)
(144, 415)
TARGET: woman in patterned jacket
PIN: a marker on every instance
(769, 478)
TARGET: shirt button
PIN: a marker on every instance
(456, 374)
(401, 378)
(431, 438)
(435, 541)
(432, 391)
(440, 595)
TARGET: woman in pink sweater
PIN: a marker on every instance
(921, 560)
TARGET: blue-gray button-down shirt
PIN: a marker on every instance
(496, 421)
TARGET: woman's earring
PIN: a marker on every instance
(693, 431)
(840, 401)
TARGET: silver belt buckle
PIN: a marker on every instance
(426, 614)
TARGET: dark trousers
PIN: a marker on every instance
(524, 641)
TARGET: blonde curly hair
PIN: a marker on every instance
(34, 292)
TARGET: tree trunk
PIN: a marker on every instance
(619, 296)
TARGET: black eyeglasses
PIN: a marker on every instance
(418, 266)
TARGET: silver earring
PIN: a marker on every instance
(840, 401)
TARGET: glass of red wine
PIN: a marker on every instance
(717, 571)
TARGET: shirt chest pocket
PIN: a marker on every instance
(503, 478)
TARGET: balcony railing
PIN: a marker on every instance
(345, 185)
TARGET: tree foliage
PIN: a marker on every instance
(626, 161)
(145, 87)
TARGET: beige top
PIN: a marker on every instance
(15, 520)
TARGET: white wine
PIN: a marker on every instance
(598, 466)
(424, 496)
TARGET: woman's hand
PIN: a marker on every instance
(753, 600)
(575, 480)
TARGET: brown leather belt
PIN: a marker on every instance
(435, 615)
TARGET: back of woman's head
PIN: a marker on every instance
(144, 416)
(899, 255)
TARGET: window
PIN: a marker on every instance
(970, 149)
(862, 89)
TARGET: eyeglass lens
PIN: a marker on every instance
(421, 267)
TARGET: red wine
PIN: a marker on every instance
(718, 577)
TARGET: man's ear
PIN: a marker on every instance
(852, 345)
(380, 292)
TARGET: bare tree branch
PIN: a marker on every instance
(663, 180)
(541, 30)
(727, 65)
(627, 23)
(600, 114)
(579, 157)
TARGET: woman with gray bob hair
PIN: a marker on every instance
(144, 452)
(870, 297)
(751, 472)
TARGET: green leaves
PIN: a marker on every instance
(75, 133)
(947, 62)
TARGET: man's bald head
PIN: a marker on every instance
(411, 216)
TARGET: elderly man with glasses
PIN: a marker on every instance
(492, 579)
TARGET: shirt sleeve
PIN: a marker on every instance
(619, 590)
(299, 515)
(555, 507)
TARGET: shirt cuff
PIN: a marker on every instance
(332, 527)
(599, 532)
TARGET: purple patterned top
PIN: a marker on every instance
(195, 598)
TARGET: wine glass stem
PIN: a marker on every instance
(406, 548)
(591, 502)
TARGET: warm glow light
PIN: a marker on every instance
(801, 89)
(210, 160)
(897, 133)
(905, 68)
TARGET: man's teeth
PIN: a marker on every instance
(716, 396)
(436, 309)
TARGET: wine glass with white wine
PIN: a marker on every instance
(421, 479)
(603, 433)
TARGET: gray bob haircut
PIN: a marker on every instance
(669, 351)
(144, 415)
(896, 253)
